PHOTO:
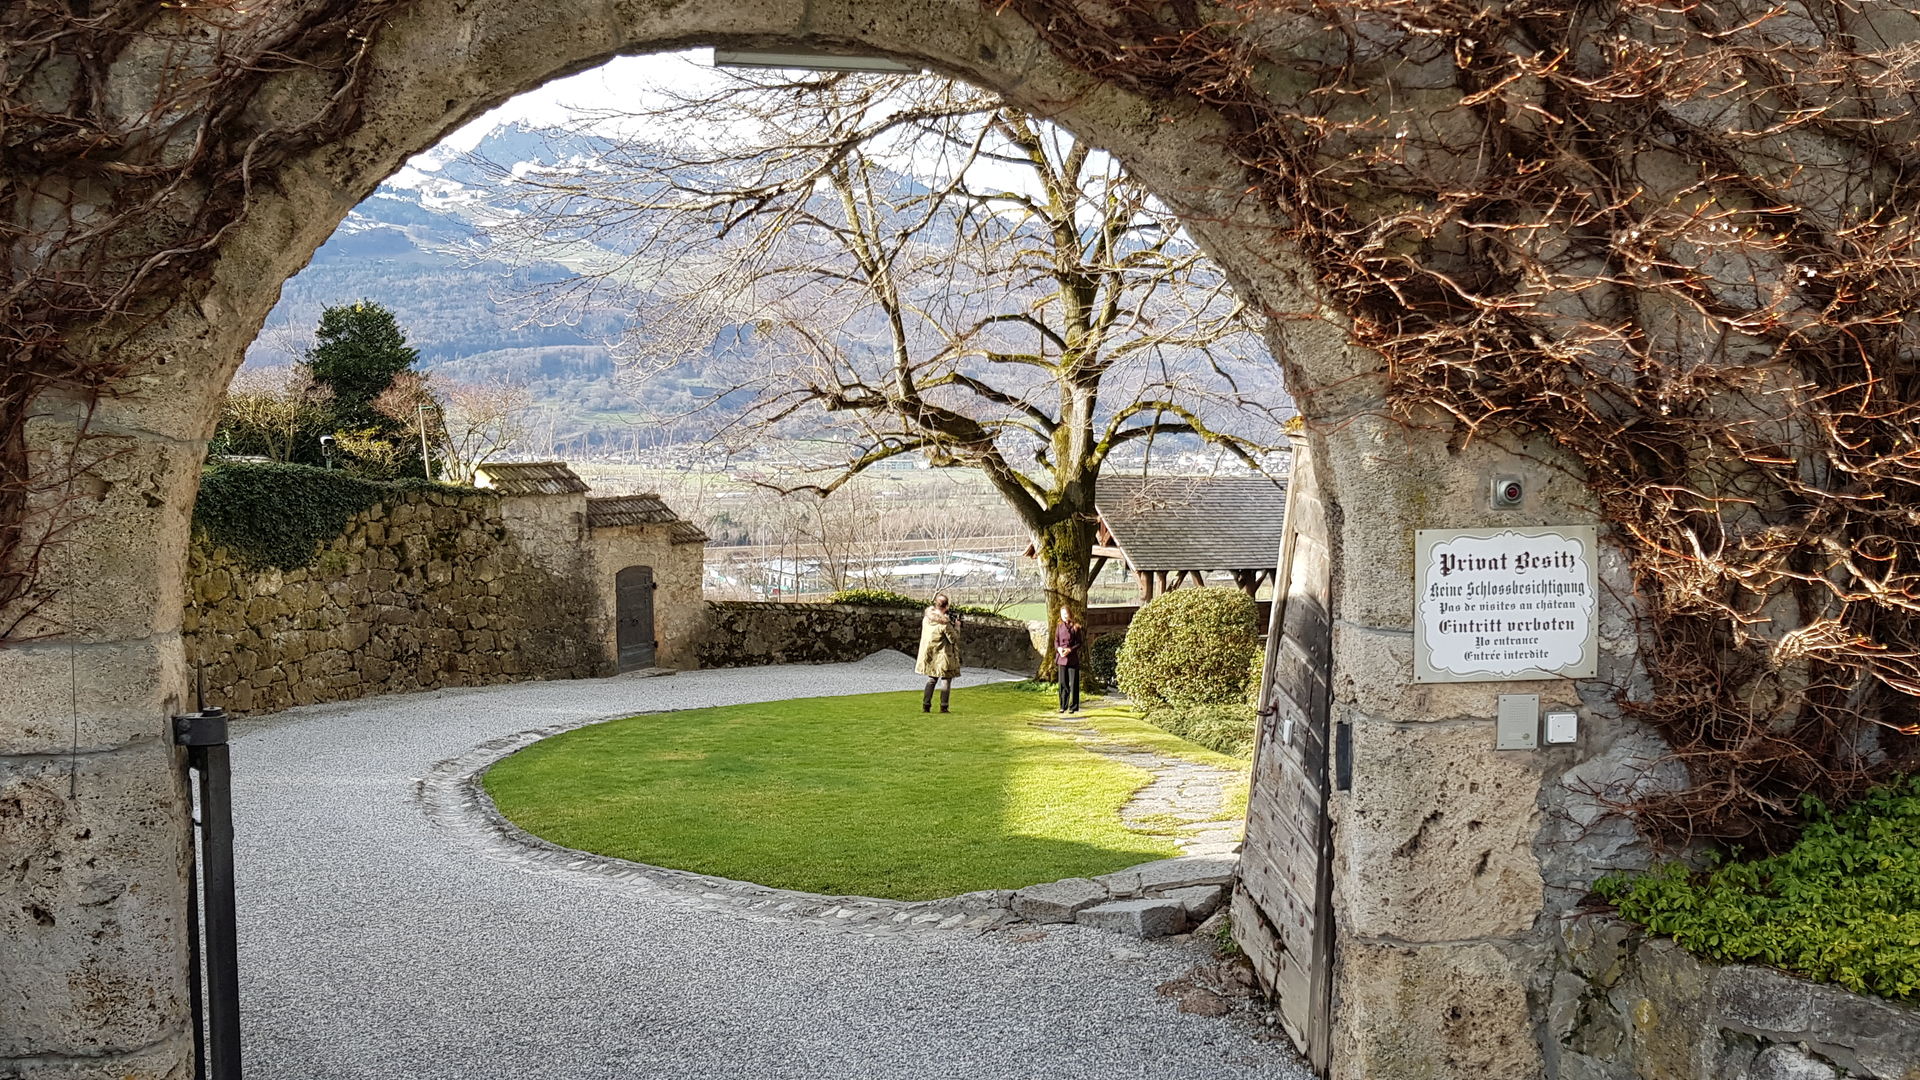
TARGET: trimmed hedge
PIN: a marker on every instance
(281, 515)
(1841, 906)
(874, 598)
(1190, 647)
(889, 598)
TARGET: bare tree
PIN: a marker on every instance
(267, 411)
(479, 422)
(916, 269)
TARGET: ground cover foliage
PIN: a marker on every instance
(860, 795)
(279, 515)
(1229, 729)
(1842, 905)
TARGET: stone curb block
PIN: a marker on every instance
(1199, 901)
(1057, 901)
(1150, 918)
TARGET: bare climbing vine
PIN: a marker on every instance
(1676, 238)
(112, 198)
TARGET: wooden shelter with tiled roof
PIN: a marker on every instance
(1170, 529)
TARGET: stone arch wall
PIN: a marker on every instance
(436, 63)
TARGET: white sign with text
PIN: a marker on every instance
(1505, 605)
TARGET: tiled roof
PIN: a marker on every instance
(1194, 522)
(529, 478)
(609, 510)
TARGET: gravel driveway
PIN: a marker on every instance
(375, 944)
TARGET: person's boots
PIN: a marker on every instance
(944, 691)
(926, 698)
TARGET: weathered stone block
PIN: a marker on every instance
(1200, 901)
(112, 692)
(1598, 948)
(93, 928)
(1564, 1007)
(1757, 999)
(1057, 901)
(1148, 918)
(1442, 832)
(169, 1059)
(1780, 1062)
(1671, 1007)
(1176, 873)
(1450, 1011)
(1863, 1034)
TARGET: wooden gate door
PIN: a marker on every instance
(1283, 903)
(633, 611)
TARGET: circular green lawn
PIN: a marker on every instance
(860, 795)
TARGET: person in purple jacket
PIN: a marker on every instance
(1068, 638)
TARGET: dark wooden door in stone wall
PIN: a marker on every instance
(633, 610)
(1283, 902)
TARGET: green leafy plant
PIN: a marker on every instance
(282, 515)
(1103, 656)
(1190, 647)
(1223, 943)
(1228, 729)
(1839, 906)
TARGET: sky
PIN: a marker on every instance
(620, 83)
(628, 82)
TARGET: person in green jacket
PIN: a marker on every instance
(939, 650)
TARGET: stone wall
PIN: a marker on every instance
(746, 633)
(427, 590)
(1626, 1006)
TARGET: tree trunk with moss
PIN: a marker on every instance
(1064, 547)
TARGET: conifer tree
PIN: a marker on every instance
(357, 352)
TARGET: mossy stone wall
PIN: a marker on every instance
(426, 589)
(745, 633)
(1625, 1006)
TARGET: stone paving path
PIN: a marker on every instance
(1186, 798)
(381, 938)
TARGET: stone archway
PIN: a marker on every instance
(1432, 977)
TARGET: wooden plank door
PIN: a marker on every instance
(633, 612)
(1283, 902)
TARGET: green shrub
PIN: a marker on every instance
(1839, 906)
(1102, 656)
(1228, 728)
(1190, 647)
(281, 515)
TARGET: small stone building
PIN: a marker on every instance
(641, 560)
(648, 566)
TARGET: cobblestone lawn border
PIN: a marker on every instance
(453, 797)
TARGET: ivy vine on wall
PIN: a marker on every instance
(282, 516)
